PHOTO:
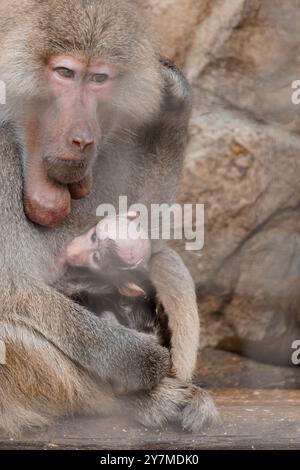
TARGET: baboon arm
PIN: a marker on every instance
(176, 291)
(110, 351)
(170, 276)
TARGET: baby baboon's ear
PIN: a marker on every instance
(130, 289)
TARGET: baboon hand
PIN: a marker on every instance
(144, 367)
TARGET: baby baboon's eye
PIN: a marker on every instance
(94, 237)
(96, 258)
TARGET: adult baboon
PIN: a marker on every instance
(91, 114)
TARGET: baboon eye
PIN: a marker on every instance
(96, 258)
(99, 77)
(94, 237)
(64, 72)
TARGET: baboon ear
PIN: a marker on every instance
(130, 289)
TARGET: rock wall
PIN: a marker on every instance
(243, 162)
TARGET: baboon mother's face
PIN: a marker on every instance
(69, 130)
(63, 132)
(77, 74)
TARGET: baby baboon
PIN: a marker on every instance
(109, 275)
(106, 271)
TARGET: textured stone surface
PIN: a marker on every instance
(247, 175)
(243, 162)
(254, 65)
(177, 22)
(244, 51)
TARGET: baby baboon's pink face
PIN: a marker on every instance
(94, 249)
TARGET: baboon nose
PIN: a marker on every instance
(83, 141)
